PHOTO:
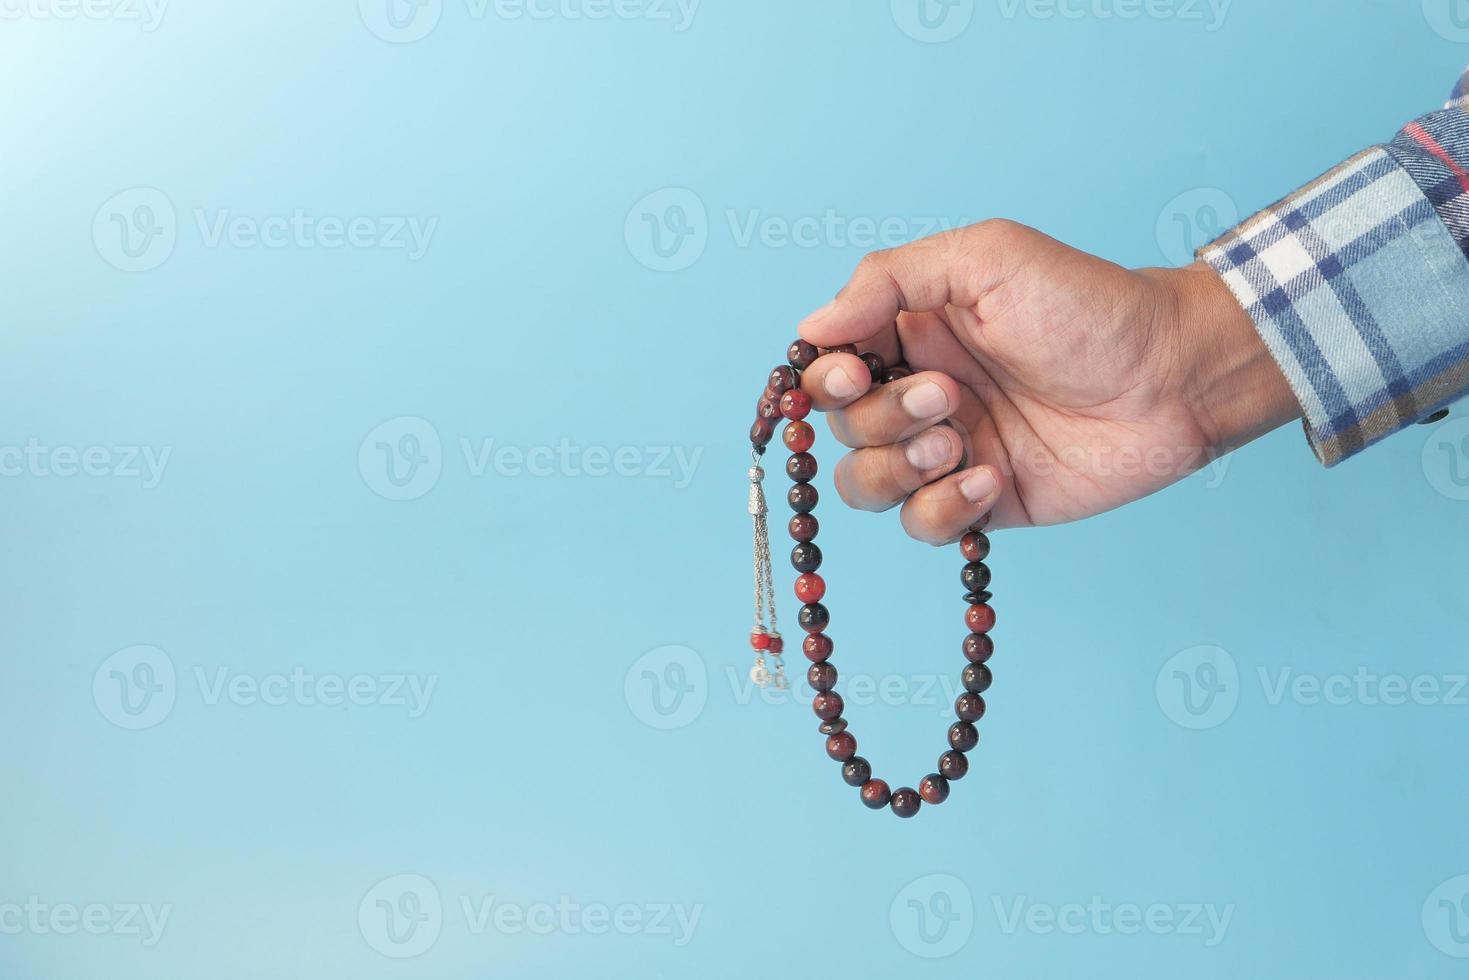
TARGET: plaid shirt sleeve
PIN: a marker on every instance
(1359, 284)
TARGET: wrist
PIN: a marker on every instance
(1228, 378)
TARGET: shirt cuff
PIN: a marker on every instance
(1361, 294)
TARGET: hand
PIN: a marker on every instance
(1071, 385)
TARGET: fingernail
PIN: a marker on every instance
(839, 383)
(929, 451)
(978, 485)
(822, 313)
(925, 401)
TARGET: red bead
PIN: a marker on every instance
(810, 587)
(841, 746)
(827, 705)
(803, 527)
(777, 645)
(817, 647)
(975, 546)
(795, 405)
(762, 432)
(799, 436)
(934, 788)
(760, 640)
(875, 794)
(842, 349)
(980, 618)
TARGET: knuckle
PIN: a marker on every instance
(922, 523)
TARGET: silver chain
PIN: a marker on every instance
(765, 620)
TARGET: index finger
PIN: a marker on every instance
(953, 267)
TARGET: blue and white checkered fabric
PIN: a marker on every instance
(1359, 285)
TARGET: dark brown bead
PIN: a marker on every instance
(841, 746)
(975, 546)
(875, 366)
(803, 527)
(977, 678)
(905, 802)
(842, 349)
(813, 617)
(822, 676)
(783, 379)
(978, 647)
(975, 577)
(856, 771)
(934, 788)
(953, 765)
(801, 467)
(969, 707)
(817, 647)
(980, 618)
(833, 726)
(828, 705)
(806, 557)
(802, 497)
(768, 407)
(875, 794)
(802, 355)
(762, 432)
(978, 598)
(896, 374)
(963, 736)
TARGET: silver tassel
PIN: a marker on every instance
(765, 622)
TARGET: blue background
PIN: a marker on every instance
(541, 605)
